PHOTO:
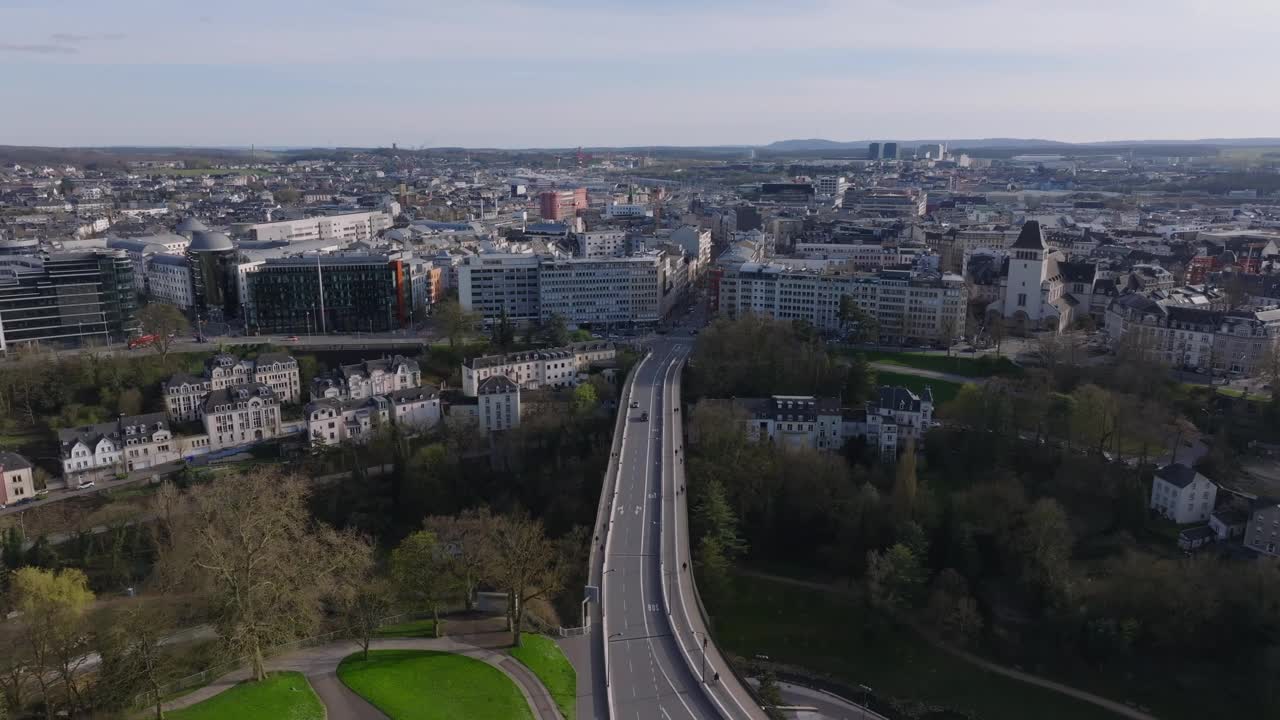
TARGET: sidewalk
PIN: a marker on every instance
(930, 374)
(320, 666)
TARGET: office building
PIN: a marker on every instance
(908, 204)
(601, 290)
(68, 298)
(695, 243)
(497, 284)
(910, 306)
(562, 205)
(832, 185)
(890, 151)
(212, 259)
(167, 279)
(602, 243)
(349, 227)
(333, 293)
(873, 151)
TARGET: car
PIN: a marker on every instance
(644, 417)
(24, 501)
(86, 484)
(293, 338)
(635, 404)
(42, 493)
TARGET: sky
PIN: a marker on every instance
(564, 73)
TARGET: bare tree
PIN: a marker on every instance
(421, 573)
(365, 610)
(163, 322)
(462, 539)
(523, 561)
(265, 566)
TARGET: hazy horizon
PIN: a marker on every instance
(564, 73)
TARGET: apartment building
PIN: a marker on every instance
(184, 395)
(498, 404)
(909, 305)
(602, 290)
(954, 245)
(131, 442)
(1239, 341)
(695, 243)
(16, 479)
(331, 421)
(368, 378)
(1182, 495)
(497, 284)
(555, 367)
(351, 227)
(602, 243)
(241, 415)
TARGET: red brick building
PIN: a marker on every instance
(558, 205)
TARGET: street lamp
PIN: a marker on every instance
(866, 694)
(703, 648)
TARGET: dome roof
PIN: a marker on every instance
(209, 241)
(189, 225)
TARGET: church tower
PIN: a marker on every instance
(1026, 275)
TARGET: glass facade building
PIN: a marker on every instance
(69, 299)
(338, 293)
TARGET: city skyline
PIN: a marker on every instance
(517, 74)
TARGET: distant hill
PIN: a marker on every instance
(812, 144)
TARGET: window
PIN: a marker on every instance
(1022, 299)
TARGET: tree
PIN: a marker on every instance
(130, 402)
(952, 609)
(421, 573)
(130, 648)
(905, 484)
(947, 332)
(894, 577)
(464, 536)
(454, 322)
(997, 331)
(504, 333)
(1044, 544)
(556, 331)
(253, 550)
(522, 560)
(163, 322)
(1237, 293)
(287, 196)
(365, 609)
(53, 605)
(860, 325)
(585, 399)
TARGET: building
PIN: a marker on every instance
(558, 205)
(896, 418)
(212, 259)
(909, 306)
(873, 151)
(890, 151)
(184, 395)
(1033, 292)
(1263, 531)
(241, 415)
(498, 404)
(494, 285)
(333, 293)
(367, 379)
(16, 479)
(132, 442)
(1239, 342)
(695, 243)
(349, 227)
(68, 298)
(601, 290)
(602, 243)
(556, 367)
(167, 279)
(832, 185)
(1182, 494)
(903, 204)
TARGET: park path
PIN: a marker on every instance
(1026, 677)
(320, 665)
(929, 374)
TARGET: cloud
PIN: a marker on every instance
(38, 48)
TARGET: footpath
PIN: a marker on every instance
(320, 666)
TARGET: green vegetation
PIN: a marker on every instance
(426, 685)
(425, 628)
(282, 696)
(543, 656)
(983, 366)
(833, 635)
(944, 391)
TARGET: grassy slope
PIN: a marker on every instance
(955, 364)
(543, 656)
(943, 391)
(282, 696)
(425, 685)
(413, 628)
(825, 633)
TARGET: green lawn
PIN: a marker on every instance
(944, 391)
(825, 633)
(427, 685)
(282, 696)
(542, 655)
(413, 628)
(981, 366)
